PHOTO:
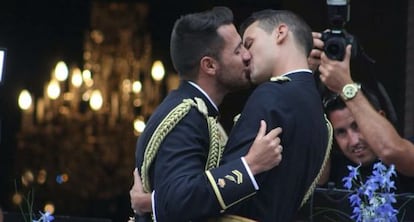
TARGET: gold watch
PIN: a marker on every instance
(349, 91)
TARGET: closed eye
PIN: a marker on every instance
(238, 48)
(248, 43)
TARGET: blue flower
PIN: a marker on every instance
(355, 200)
(372, 200)
(379, 167)
(353, 173)
(46, 217)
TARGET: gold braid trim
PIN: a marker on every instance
(167, 124)
(218, 139)
(327, 153)
(214, 151)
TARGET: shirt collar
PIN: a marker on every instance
(298, 70)
(205, 94)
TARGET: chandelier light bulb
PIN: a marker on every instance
(61, 71)
(49, 207)
(157, 71)
(136, 87)
(86, 74)
(53, 89)
(25, 100)
(76, 78)
(96, 100)
(87, 77)
(139, 125)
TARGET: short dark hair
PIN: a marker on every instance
(268, 20)
(194, 36)
(333, 102)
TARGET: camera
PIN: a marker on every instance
(337, 38)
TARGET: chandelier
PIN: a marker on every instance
(85, 125)
(75, 94)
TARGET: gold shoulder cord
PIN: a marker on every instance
(168, 123)
(327, 153)
(217, 141)
(215, 131)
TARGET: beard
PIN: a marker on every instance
(234, 81)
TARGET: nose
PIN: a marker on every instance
(353, 138)
(246, 56)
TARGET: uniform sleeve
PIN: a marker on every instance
(183, 189)
(228, 178)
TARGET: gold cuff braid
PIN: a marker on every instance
(230, 218)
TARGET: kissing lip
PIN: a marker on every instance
(247, 73)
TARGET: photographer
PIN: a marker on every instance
(378, 132)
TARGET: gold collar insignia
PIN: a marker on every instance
(280, 79)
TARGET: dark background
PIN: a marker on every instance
(39, 33)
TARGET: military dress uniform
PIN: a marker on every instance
(295, 105)
(176, 155)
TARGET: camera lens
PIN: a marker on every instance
(335, 47)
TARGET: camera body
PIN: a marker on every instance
(335, 42)
(337, 38)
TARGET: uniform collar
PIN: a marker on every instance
(205, 94)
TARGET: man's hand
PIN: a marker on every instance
(266, 151)
(314, 59)
(140, 201)
(336, 74)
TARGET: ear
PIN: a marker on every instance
(281, 32)
(208, 65)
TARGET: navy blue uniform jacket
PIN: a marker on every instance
(296, 107)
(184, 190)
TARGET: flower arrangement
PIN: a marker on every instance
(26, 202)
(373, 199)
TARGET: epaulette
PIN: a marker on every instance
(280, 79)
(168, 123)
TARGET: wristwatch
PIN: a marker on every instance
(349, 91)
